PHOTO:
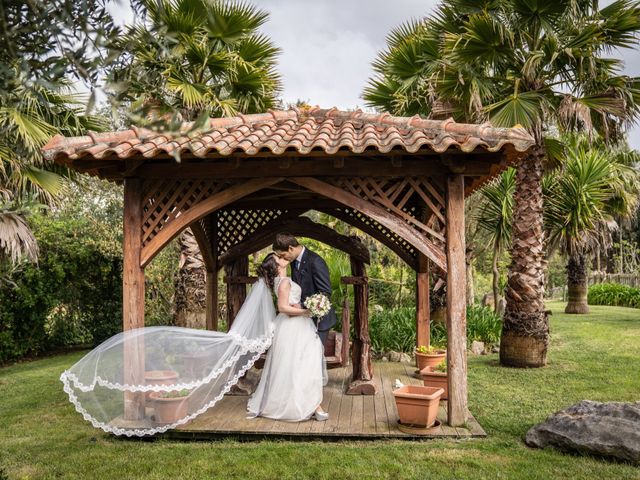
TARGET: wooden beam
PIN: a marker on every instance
(456, 303)
(354, 280)
(133, 298)
(362, 377)
(236, 291)
(196, 212)
(383, 167)
(370, 230)
(239, 279)
(423, 313)
(212, 273)
(380, 215)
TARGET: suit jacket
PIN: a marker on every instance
(313, 277)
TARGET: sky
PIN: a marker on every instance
(328, 45)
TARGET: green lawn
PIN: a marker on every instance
(593, 357)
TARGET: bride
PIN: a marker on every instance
(126, 383)
(294, 372)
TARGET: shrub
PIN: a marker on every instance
(614, 294)
(396, 329)
(72, 296)
(483, 324)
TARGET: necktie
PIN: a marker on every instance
(297, 264)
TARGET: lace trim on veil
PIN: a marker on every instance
(259, 345)
(249, 346)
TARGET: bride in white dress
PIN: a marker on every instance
(294, 372)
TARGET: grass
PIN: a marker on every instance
(593, 357)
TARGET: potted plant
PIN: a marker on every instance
(170, 406)
(429, 356)
(194, 363)
(417, 405)
(437, 377)
(159, 377)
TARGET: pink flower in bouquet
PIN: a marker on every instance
(318, 304)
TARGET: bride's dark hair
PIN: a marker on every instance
(268, 269)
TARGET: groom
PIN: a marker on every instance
(309, 271)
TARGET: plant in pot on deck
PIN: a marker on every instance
(437, 377)
(429, 356)
(170, 406)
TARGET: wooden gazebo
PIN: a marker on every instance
(400, 180)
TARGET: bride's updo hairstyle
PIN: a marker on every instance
(268, 269)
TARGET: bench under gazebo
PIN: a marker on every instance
(400, 180)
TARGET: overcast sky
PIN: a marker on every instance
(328, 45)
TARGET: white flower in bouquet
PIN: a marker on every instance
(318, 304)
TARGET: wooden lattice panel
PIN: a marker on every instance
(165, 200)
(361, 219)
(234, 225)
(401, 197)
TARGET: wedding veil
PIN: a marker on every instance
(202, 364)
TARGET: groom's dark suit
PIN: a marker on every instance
(313, 277)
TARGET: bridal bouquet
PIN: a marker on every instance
(318, 304)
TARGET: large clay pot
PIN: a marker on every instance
(436, 379)
(169, 410)
(418, 405)
(194, 364)
(425, 360)
(159, 377)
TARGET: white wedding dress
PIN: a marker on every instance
(294, 371)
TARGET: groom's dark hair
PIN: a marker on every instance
(283, 241)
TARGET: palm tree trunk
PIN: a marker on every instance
(577, 284)
(191, 302)
(496, 277)
(525, 329)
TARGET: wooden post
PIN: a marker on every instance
(346, 330)
(212, 276)
(362, 379)
(133, 297)
(423, 315)
(236, 292)
(456, 302)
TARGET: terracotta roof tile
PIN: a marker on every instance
(305, 132)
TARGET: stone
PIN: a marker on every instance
(405, 358)
(609, 430)
(495, 349)
(394, 356)
(502, 306)
(384, 359)
(477, 347)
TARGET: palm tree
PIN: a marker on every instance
(594, 187)
(199, 58)
(495, 217)
(30, 114)
(191, 60)
(535, 64)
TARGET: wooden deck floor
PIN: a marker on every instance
(349, 416)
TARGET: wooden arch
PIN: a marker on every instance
(171, 206)
(301, 226)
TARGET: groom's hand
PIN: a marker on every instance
(296, 305)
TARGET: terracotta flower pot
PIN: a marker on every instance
(194, 364)
(431, 378)
(159, 377)
(169, 410)
(430, 359)
(417, 405)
